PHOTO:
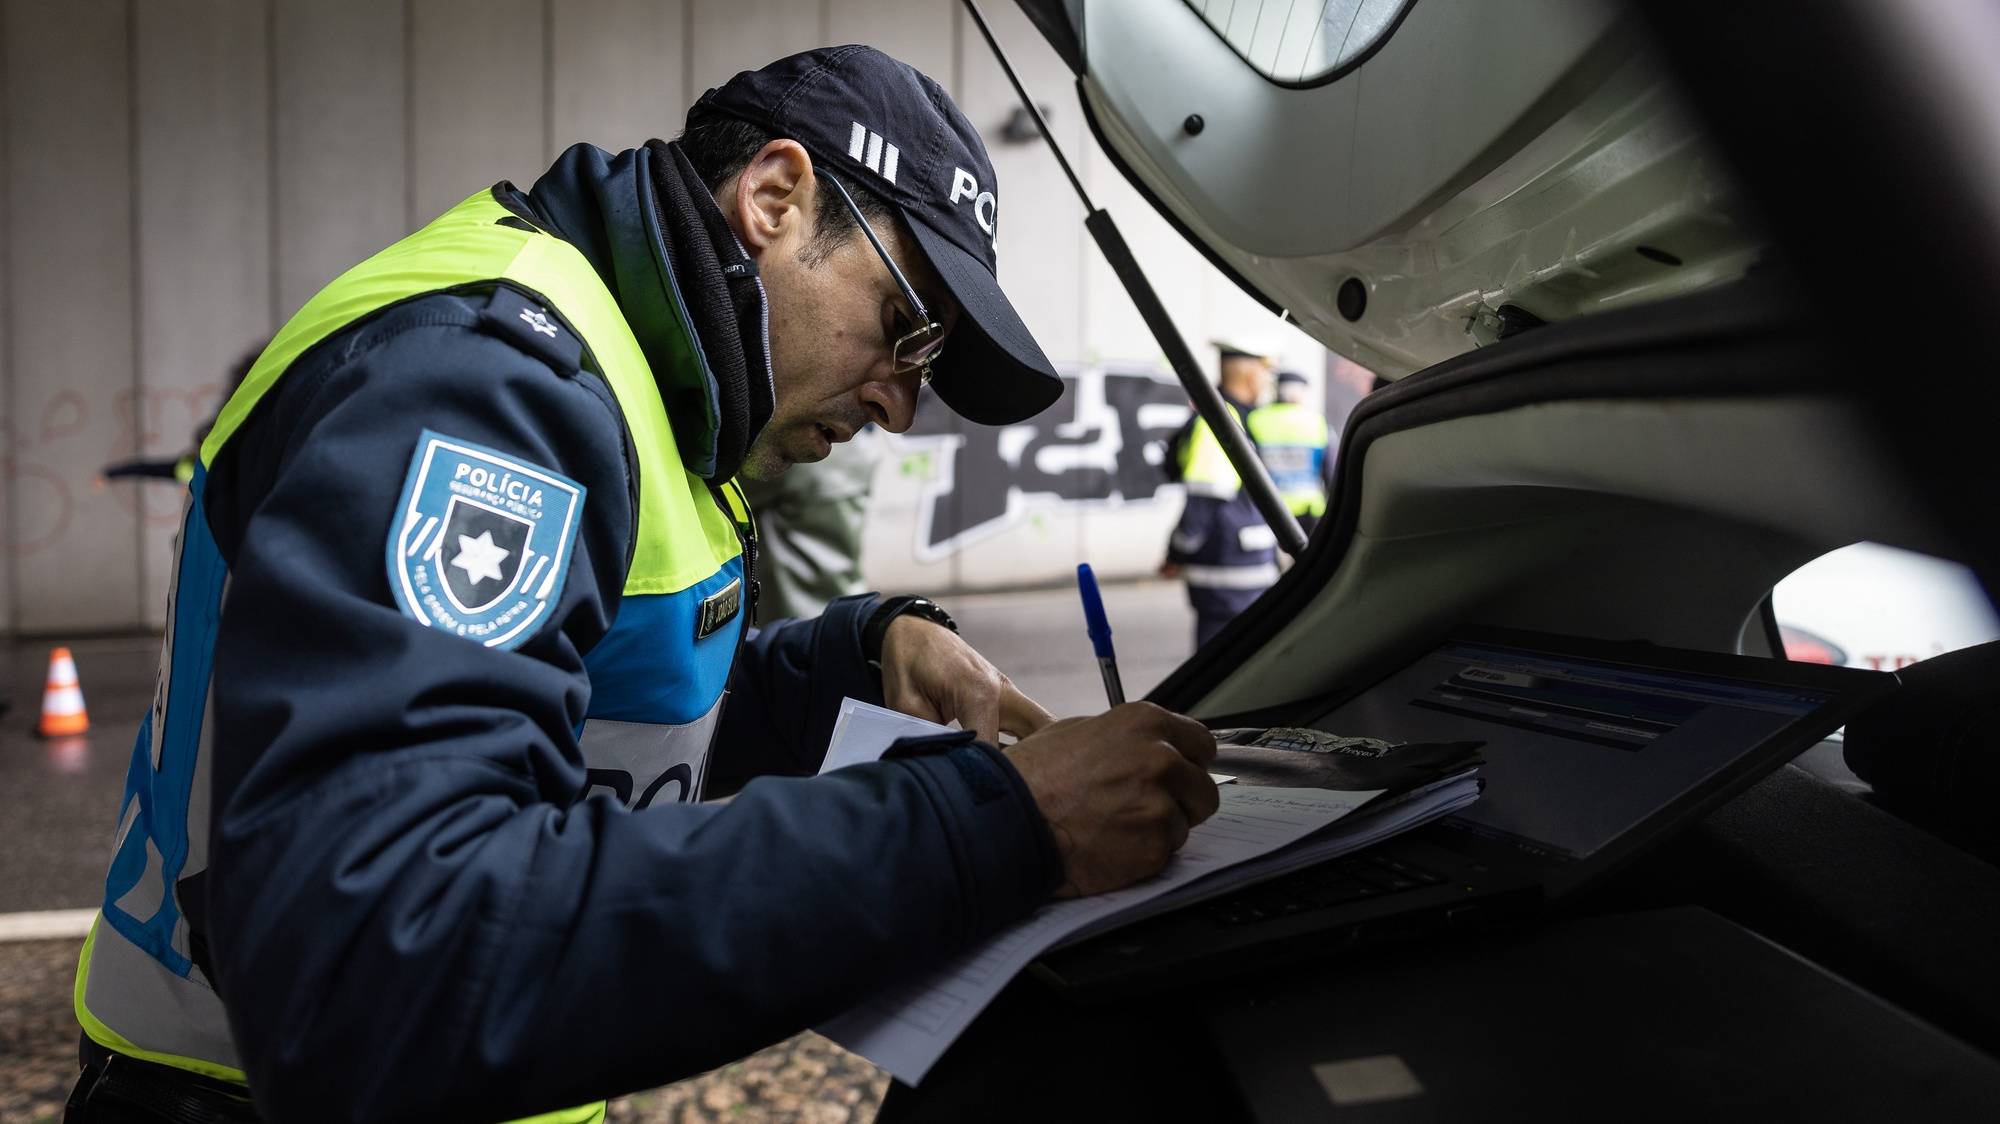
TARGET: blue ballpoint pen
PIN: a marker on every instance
(1099, 627)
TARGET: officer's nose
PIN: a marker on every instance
(891, 401)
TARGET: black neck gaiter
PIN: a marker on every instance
(725, 303)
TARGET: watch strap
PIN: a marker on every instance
(877, 629)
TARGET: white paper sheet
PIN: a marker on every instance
(1366, 828)
(1257, 833)
(863, 732)
(906, 1030)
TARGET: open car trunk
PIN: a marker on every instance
(1623, 410)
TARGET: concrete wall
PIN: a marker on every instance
(177, 176)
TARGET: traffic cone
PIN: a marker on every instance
(62, 700)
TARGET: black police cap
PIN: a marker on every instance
(882, 124)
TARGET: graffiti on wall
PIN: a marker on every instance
(1101, 443)
(39, 495)
(48, 462)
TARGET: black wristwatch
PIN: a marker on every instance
(877, 627)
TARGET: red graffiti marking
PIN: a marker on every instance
(158, 422)
(64, 415)
(56, 506)
(44, 504)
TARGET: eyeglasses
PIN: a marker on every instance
(918, 349)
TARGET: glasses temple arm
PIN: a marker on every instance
(909, 294)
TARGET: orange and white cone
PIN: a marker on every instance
(62, 700)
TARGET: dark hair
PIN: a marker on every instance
(720, 146)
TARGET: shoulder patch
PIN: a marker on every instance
(481, 541)
(532, 327)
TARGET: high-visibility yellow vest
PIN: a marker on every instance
(1205, 467)
(657, 687)
(1291, 439)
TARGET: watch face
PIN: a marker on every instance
(933, 612)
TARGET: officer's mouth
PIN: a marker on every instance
(823, 441)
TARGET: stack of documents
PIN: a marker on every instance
(1258, 833)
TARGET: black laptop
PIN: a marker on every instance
(1594, 752)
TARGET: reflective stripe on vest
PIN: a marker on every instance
(656, 685)
(1291, 439)
(1261, 575)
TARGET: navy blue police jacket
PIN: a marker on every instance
(414, 911)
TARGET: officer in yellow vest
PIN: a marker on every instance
(1221, 547)
(420, 824)
(1291, 439)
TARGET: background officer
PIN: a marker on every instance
(1291, 437)
(1221, 548)
(411, 827)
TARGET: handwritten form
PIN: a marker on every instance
(905, 1030)
(1255, 834)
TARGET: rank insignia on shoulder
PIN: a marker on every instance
(481, 541)
(530, 327)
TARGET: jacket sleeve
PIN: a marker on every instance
(785, 693)
(413, 915)
(1190, 541)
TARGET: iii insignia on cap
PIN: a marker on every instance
(884, 125)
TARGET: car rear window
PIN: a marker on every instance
(1877, 607)
(1302, 42)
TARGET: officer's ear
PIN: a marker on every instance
(773, 204)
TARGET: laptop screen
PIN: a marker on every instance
(1578, 751)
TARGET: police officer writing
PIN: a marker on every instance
(461, 640)
(1221, 548)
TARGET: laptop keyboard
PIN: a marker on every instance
(1329, 884)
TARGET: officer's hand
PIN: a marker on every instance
(931, 672)
(1170, 570)
(1120, 791)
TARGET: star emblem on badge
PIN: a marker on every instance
(480, 558)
